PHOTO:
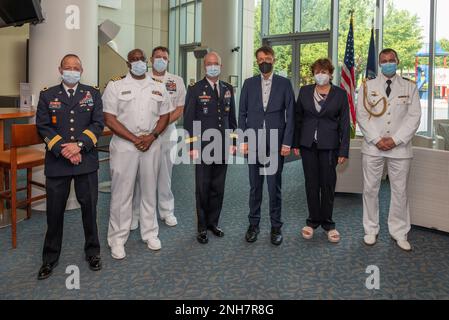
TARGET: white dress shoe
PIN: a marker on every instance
(370, 239)
(404, 245)
(134, 225)
(118, 252)
(171, 221)
(154, 244)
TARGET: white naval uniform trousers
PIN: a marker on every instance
(165, 199)
(138, 105)
(400, 122)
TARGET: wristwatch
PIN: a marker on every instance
(80, 145)
(155, 134)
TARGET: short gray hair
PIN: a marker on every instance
(213, 53)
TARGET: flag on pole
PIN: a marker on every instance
(371, 65)
(348, 74)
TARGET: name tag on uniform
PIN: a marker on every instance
(124, 93)
(404, 97)
(374, 94)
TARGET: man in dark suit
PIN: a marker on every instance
(70, 120)
(210, 103)
(267, 104)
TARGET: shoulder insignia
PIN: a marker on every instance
(410, 80)
(117, 78)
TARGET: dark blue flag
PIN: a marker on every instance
(371, 66)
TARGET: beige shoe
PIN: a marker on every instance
(118, 252)
(370, 239)
(404, 245)
(333, 236)
(171, 221)
(307, 233)
(154, 244)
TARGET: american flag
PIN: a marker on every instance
(348, 74)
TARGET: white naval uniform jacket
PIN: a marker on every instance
(400, 122)
(138, 105)
(177, 91)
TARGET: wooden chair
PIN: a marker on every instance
(19, 157)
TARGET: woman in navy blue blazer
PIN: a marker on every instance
(322, 134)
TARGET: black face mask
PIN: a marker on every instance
(265, 67)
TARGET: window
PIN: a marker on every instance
(281, 16)
(406, 29)
(364, 13)
(315, 15)
(441, 102)
(185, 28)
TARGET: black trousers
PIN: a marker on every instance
(210, 182)
(58, 190)
(256, 181)
(320, 177)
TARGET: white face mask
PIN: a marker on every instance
(138, 68)
(322, 79)
(213, 71)
(160, 65)
(71, 77)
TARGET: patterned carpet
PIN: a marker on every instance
(229, 268)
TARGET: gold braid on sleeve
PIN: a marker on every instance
(369, 106)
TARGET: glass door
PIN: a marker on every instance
(294, 57)
(308, 54)
(190, 66)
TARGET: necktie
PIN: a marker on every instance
(388, 91)
(72, 93)
(216, 91)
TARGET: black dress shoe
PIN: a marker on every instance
(94, 263)
(276, 236)
(217, 231)
(251, 234)
(46, 270)
(202, 237)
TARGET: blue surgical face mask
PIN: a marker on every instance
(138, 68)
(389, 69)
(213, 71)
(71, 77)
(160, 65)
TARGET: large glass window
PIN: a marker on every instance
(406, 29)
(185, 29)
(281, 16)
(364, 13)
(441, 102)
(315, 15)
(309, 53)
(283, 65)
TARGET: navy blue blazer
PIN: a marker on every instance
(280, 112)
(332, 123)
(60, 120)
